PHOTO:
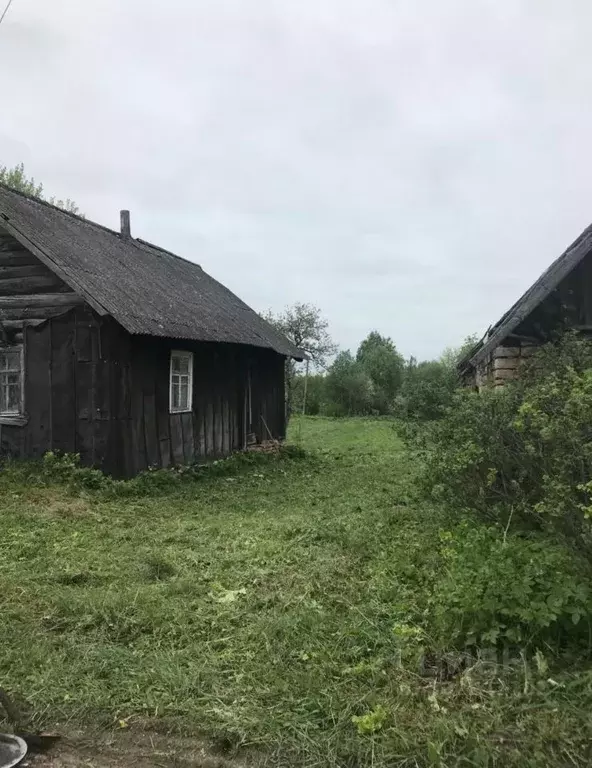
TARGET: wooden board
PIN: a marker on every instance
(85, 430)
(139, 459)
(38, 387)
(63, 402)
(209, 428)
(226, 439)
(41, 300)
(150, 430)
(188, 442)
(82, 341)
(177, 448)
(199, 430)
(42, 284)
(23, 271)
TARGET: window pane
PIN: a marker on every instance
(10, 380)
(180, 364)
(14, 361)
(14, 398)
(184, 401)
(181, 376)
(184, 365)
(10, 361)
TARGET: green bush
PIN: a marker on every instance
(315, 394)
(523, 453)
(348, 387)
(501, 589)
(428, 390)
(65, 469)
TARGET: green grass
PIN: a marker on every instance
(257, 607)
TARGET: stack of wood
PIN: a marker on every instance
(267, 446)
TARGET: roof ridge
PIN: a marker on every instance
(138, 241)
(76, 216)
(149, 291)
(146, 243)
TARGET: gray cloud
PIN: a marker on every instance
(408, 166)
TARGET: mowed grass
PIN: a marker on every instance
(256, 609)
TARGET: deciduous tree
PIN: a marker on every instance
(16, 178)
(378, 356)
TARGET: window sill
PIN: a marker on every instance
(13, 420)
(185, 410)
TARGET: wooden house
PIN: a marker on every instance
(559, 300)
(120, 351)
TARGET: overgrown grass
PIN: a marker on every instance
(281, 605)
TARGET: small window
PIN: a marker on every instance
(11, 381)
(181, 381)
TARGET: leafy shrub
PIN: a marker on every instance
(348, 388)
(427, 391)
(525, 452)
(509, 590)
(65, 469)
(315, 394)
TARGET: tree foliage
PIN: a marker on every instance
(523, 454)
(379, 358)
(452, 356)
(316, 398)
(306, 327)
(348, 387)
(428, 387)
(376, 381)
(427, 390)
(16, 178)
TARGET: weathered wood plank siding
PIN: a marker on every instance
(76, 398)
(216, 425)
(28, 289)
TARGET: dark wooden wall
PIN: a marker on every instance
(92, 389)
(77, 392)
(221, 420)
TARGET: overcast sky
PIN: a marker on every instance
(407, 165)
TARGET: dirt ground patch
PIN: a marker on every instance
(143, 750)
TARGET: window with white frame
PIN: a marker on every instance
(11, 381)
(181, 389)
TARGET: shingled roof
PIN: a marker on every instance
(148, 290)
(537, 293)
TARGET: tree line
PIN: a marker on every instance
(376, 380)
